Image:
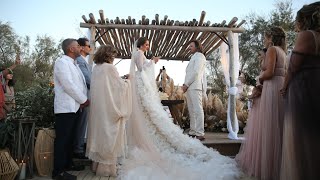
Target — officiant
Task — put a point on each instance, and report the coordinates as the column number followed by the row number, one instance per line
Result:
column 110, row 109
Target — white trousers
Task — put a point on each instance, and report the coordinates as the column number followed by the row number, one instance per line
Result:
column 194, row 102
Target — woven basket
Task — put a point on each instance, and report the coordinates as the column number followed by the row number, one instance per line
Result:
column 8, row 167
column 43, row 151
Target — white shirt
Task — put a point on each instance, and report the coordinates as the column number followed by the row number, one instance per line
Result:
column 195, row 72
column 69, row 86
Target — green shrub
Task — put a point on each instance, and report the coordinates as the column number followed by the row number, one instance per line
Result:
column 35, row 102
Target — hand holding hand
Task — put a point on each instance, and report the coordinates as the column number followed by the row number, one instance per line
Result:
column 156, row 59
column 283, row 91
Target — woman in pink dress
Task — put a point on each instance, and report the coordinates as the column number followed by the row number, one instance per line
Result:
column 271, row 111
column 249, row 156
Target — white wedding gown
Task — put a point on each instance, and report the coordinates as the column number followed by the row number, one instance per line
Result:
column 157, row 148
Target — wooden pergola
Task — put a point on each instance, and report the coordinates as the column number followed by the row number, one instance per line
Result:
column 168, row 38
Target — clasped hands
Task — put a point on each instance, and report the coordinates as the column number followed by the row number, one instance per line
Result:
column 155, row 59
column 85, row 104
column 283, row 91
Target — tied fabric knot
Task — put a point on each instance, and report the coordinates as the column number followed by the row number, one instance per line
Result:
column 233, row 90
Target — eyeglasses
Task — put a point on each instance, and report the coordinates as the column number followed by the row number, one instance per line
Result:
column 87, row 45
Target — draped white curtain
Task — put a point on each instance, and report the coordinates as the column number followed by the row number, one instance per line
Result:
column 232, row 125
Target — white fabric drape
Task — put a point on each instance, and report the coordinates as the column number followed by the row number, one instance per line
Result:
column 110, row 109
column 233, row 127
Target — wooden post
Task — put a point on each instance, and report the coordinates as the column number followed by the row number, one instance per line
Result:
column 92, row 43
column 232, row 105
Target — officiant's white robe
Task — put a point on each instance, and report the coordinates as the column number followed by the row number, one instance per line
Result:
column 110, row 108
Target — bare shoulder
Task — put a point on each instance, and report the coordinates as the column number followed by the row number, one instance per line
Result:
column 305, row 42
column 271, row 51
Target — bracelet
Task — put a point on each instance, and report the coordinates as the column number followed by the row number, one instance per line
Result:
column 10, row 71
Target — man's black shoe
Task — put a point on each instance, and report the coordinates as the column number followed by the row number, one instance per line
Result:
column 64, row 176
column 79, row 156
column 76, row 168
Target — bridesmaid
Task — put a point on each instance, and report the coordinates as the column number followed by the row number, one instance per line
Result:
column 301, row 140
column 271, row 111
column 249, row 156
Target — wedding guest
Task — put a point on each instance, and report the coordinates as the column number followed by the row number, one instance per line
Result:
column 301, row 145
column 10, row 102
column 194, row 87
column 271, row 111
column 249, row 156
column 81, row 129
column 70, row 97
column 109, row 111
column 2, row 104
column 3, row 75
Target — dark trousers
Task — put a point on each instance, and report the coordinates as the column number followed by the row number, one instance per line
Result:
column 65, row 124
column 81, row 129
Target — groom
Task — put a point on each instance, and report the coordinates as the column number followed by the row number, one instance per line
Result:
column 194, row 84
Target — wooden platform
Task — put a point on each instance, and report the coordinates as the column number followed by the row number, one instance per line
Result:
column 222, row 143
column 218, row 141
column 86, row 174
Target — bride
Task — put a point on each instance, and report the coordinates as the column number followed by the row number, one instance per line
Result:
column 157, row 148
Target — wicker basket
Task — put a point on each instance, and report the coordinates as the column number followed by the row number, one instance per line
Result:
column 43, row 151
column 8, row 167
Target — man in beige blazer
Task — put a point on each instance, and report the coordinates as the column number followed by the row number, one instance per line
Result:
column 194, row 86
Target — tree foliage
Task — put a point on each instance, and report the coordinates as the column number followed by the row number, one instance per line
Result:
column 34, row 93
column 251, row 41
column 37, row 61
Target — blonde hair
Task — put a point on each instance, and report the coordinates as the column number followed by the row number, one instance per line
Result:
column 278, row 36
column 308, row 17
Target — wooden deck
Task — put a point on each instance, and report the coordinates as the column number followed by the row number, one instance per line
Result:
column 223, row 144
column 217, row 141
column 86, row 174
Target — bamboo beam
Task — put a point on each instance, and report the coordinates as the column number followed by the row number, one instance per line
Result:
column 131, row 33
column 119, row 33
column 85, row 19
column 143, row 21
column 101, row 16
column 223, row 34
column 157, row 19
column 240, row 24
column 184, row 39
column 167, row 38
column 162, row 35
column 164, row 58
column 152, row 34
column 179, row 41
column 165, row 27
column 173, row 40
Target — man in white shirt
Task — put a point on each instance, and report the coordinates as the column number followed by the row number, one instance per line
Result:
column 81, row 129
column 70, row 97
column 195, row 85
